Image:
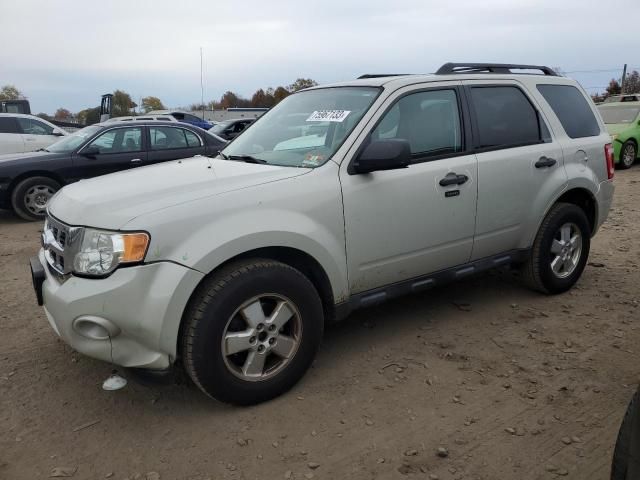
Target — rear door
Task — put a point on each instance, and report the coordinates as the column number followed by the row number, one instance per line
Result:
column 10, row 136
column 170, row 143
column 119, row 148
column 520, row 165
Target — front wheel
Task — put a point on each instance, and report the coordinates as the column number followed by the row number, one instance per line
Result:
column 30, row 197
column 251, row 331
column 628, row 154
column 560, row 250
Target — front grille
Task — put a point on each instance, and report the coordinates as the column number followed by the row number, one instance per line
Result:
column 58, row 241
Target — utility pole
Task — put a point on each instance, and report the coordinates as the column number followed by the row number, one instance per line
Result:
column 624, row 76
column 202, row 85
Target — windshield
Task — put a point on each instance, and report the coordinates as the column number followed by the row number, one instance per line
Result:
column 73, row 141
column 305, row 129
column 619, row 114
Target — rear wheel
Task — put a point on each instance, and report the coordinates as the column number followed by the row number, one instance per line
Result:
column 30, row 197
column 251, row 331
column 628, row 154
column 560, row 250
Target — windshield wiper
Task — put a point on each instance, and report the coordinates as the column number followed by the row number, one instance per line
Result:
column 223, row 156
column 247, row 159
column 42, row 150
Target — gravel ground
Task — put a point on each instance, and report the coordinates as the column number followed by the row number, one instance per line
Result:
column 483, row 379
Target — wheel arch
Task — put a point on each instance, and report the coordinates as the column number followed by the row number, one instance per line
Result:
column 583, row 198
column 298, row 259
column 34, row 173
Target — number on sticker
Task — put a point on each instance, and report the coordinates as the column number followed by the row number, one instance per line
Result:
column 328, row 116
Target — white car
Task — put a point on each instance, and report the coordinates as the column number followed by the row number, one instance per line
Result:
column 229, row 267
column 20, row 133
column 146, row 118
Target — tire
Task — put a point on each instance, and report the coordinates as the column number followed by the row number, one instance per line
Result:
column 626, row 454
column 538, row 270
column 628, row 155
column 30, row 197
column 232, row 304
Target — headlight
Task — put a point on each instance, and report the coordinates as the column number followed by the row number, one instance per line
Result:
column 101, row 252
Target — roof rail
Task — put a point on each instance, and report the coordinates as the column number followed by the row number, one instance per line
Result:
column 378, row 75
column 448, row 68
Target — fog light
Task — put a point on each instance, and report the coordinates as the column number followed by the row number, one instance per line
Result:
column 95, row 328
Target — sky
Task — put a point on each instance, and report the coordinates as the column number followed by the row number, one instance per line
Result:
column 67, row 53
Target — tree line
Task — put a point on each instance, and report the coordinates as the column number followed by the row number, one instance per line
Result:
column 123, row 105
column 631, row 85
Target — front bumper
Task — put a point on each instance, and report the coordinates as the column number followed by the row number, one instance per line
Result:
column 139, row 308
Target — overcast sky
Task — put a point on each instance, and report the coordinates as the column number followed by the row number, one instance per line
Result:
column 66, row 53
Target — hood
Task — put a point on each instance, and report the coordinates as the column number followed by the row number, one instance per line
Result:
column 617, row 128
column 113, row 200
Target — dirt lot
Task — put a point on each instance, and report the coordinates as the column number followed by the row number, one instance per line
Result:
column 513, row 384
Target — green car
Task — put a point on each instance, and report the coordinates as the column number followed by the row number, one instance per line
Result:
column 623, row 123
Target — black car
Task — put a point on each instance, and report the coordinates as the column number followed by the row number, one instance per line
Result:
column 29, row 180
column 230, row 129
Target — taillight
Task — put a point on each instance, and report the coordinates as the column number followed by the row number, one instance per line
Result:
column 608, row 155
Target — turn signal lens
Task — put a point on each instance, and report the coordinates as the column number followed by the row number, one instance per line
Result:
column 135, row 246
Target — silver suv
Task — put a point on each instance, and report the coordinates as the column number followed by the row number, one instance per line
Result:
column 340, row 197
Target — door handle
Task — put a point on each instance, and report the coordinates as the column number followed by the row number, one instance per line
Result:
column 136, row 160
column 453, row 179
column 545, row 162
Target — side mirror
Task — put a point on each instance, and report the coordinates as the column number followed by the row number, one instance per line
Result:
column 57, row 133
column 386, row 154
column 90, row 151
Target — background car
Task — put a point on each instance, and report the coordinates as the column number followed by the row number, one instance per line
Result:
column 29, row 180
column 26, row 133
column 623, row 123
column 230, row 129
column 143, row 118
column 184, row 117
column 626, row 455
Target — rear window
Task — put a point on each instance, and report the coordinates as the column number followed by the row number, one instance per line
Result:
column 8, row 125
column 505, row 117
column 572, row 109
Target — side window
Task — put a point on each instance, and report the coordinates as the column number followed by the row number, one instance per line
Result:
column 572, row 109
column 8, row 125
column 119, row 140
column 166, row 138
column 34, row 127
column 429, row 121
column 192, row 139
column 504, row 117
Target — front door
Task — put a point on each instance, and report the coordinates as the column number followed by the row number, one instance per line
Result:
column 118, row 149
column 404, row 223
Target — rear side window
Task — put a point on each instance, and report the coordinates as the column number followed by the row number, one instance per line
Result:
column 167, row 138
column 504, row 117
column 8, row 125
column 572, row 109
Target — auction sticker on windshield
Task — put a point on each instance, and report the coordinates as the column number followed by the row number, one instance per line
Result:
column 328, row 116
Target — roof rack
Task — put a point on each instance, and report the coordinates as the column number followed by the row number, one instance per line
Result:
column 449, row 68
column 378, row 75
